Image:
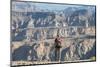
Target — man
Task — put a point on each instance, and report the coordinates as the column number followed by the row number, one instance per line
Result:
column 57, row 48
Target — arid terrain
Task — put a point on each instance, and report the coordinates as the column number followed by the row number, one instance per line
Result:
column 33, row 32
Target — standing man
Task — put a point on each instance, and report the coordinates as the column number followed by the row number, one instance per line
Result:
column 57, row 48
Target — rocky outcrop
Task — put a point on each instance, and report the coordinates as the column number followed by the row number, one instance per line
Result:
column 33, row 34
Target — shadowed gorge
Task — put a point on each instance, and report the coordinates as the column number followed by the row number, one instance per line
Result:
column 34, row 30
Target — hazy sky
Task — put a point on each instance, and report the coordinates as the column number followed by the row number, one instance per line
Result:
column 49, row 6
column 53, row 6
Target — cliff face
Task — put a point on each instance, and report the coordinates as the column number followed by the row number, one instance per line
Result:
column 33, row 35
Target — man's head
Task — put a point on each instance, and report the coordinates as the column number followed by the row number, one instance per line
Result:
column 57, row 35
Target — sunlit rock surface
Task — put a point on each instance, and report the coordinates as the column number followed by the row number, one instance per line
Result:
column 33, row 33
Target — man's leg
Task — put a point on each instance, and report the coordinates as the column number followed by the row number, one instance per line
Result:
column 56, row 54
column 59, row 54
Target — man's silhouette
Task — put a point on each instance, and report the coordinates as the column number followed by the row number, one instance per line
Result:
column 57, row 48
